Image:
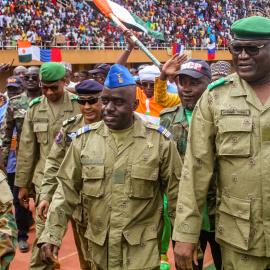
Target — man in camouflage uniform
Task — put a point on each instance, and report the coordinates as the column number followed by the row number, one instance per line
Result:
column 8, row 228
column 192, row 81
column 123, row 165
column 43, row 120
column 90, row 105
column 13, row 120
column 230, row 125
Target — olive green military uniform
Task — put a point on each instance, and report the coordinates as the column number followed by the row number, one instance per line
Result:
column 8, row 227
column 49, row 182
column 39, row 130
column 231, row 123
column 13, row 118
column 175, row 121
column 124, row 189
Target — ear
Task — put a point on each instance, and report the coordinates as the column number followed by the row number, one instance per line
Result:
column 135, row 104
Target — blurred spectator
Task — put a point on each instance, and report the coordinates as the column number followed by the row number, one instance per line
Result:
column 190, row 23
column 84, row 75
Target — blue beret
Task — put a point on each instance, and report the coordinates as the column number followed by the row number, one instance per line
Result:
column 119, row 76
column 88, row 87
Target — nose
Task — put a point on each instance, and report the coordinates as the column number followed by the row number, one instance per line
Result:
column 49, row 91
column 87, row 105
column 110, row 107
column 243, row 54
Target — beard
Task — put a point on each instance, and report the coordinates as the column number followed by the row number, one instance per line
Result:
column 189, row 107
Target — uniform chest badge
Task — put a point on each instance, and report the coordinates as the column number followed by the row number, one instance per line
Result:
column 22, row 111
column 150, row 144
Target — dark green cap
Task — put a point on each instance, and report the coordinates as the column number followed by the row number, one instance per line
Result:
column 51, row 72
column 251, row 28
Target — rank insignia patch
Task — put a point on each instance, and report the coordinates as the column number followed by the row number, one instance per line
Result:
column 58, row 137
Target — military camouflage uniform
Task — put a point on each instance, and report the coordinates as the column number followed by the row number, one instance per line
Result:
column 124, row 189
column 49, row 183
column 39, row 131
column 175, row 121
column 231, row 123
column 13, row 118
column 8, row 227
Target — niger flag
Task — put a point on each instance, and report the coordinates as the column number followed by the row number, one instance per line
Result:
column 24, row 51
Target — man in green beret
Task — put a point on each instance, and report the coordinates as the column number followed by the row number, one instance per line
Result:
column 230, row 124
column 43, row 120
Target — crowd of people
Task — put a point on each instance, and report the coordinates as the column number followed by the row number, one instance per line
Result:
column 193, row 24
column 138, row 158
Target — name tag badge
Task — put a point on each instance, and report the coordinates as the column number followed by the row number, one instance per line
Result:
column 235, row 112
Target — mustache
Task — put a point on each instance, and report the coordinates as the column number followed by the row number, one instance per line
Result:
column 108, row 114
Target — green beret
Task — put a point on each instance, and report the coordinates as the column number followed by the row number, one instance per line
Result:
column 252, row 28
column 51, row 72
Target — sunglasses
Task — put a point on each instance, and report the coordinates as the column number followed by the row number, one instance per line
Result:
column 251, row 50
column 145, row 84
column 52, row 88
column 33, row 77
column 94, row 77
column 90, row 101
column 75, row 76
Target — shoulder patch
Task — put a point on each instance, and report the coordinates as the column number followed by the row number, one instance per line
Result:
column 87, row 128
column 216, row 83
column 58, row 137
column 161, row 129
column 34, row 101
column 168, row 110
column 75, row 97
column 72, row 119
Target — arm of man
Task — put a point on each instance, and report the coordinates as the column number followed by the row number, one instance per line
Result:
column 27, row 158
column 65, row 200
column 6, row 131
column 170, row 68
column 49, row 182
column 196, row 175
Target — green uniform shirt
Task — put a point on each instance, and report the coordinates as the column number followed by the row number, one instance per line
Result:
column 206, row 221
column 231, row 124
column 38, row 134
column 124, row 193
column 176, row 121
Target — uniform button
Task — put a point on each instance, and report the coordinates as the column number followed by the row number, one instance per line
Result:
column 186, row 227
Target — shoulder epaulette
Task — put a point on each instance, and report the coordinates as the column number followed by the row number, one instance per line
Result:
column 34, row 101
column 168, row 110
column 216, row 83
column 72, row 119
column 87, row 128
column 161, row 129
column 75, row 97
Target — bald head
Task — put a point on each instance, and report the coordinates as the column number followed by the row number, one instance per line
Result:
column 20, row 71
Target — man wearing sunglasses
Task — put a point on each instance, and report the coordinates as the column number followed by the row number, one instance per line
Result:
column 43, row 120
column 148, row 109
column 12, row 124
column 100, row 72
column 230, row 123
column 90, row 105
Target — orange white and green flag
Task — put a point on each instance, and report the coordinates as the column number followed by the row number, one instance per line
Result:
column 24, row 51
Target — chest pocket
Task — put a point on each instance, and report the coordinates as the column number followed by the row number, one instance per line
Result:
column 235, row 136
column 41, row 130
column 93, row 176
column 143, row 180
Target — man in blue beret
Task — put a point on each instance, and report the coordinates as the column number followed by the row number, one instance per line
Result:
column 123, row 165
column 230, row 124
column 42, row 122
column 89, row 101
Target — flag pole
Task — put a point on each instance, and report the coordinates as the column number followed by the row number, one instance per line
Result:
column 144, row 49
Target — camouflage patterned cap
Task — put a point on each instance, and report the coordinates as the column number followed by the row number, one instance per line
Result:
column 51, row 72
